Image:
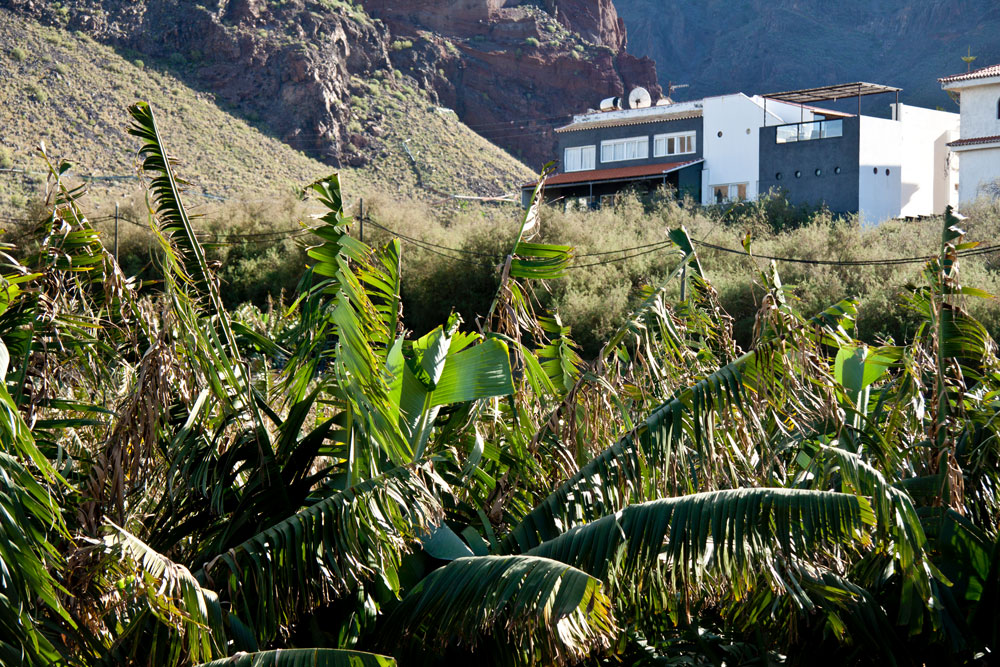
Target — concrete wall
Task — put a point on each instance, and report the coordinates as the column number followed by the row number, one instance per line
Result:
column 594, row 137
column 979, row 110
column 838, row 191
column 879, row 169
column 733, row 156
column 927, row 176
column 979, row 168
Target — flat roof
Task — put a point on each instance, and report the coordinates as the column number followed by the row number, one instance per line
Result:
column 620, row 121
column 615, row 174
column 835, row 92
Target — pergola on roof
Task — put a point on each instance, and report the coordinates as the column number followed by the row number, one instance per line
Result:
column 835, row 92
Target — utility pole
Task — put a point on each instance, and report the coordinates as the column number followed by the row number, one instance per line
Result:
column 361, row 218
column 116, row 232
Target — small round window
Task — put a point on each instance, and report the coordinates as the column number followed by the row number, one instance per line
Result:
column 886, row 172
column 798, row 174
column 777, row 176
column 836, row 170
column 819, row 172
column 720, row 133
column 874, row 170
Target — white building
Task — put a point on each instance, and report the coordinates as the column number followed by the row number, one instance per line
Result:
column 733, row 147
column 978, row 148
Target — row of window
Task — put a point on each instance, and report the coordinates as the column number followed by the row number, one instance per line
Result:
column 581, row 158
column 819, row 129
column 818, row 172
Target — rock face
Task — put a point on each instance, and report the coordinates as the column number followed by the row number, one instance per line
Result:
column 721, row 46
column 512, row 72
column 515, row 72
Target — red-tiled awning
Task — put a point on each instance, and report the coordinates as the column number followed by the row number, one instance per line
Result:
column 981, row 73
column 616, row 174
column 976, row 140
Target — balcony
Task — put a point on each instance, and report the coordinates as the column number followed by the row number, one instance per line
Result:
column 817, row 129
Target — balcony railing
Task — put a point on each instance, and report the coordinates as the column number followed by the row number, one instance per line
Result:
column 817, row 129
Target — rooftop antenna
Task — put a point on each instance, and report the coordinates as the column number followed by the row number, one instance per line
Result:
column 968, row 58
column 671, row 87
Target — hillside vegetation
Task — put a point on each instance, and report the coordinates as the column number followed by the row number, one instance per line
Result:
column 71, row 92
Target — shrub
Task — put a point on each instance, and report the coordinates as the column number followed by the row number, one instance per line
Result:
column 17, row 54
column 38, row 94
column 532, row 42
column 6, row 160
column 401, row 44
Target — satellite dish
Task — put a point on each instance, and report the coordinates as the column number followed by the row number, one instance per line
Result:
column 610, row 103
column 639, row 98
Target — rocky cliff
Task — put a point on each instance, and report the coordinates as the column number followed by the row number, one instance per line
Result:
column 513, row 73
column 721, row 46
column 304, row 68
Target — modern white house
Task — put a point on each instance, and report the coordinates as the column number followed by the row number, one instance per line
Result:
column 978, row 146
column 731, row 147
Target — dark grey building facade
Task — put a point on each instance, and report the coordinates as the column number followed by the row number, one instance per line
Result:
column 816, row 163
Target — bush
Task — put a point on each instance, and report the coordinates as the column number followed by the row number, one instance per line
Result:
column 36, row 93
column 401, row 44
column 594, row 300
column 17, row 54
column 6, row 159
column 532, row 42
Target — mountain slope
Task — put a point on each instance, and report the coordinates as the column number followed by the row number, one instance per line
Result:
column 71, row 92
column 301, row 66
column 760, row 47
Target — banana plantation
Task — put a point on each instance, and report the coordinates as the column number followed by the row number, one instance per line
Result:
column 314, row 484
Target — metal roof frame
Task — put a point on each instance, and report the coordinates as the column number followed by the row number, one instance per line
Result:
column 835, row 92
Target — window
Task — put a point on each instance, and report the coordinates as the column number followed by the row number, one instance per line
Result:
column 729, row 192
column 579, row 158
column 677, row 143
column 817, row 129
column 633, row 148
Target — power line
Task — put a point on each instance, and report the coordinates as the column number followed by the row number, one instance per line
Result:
column 428, row 243
column 863, row 262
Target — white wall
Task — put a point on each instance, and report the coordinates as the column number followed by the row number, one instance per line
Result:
column 927, row 176
column 979, row 167
column 880, row 149
column 733, row 157
column 979, row 109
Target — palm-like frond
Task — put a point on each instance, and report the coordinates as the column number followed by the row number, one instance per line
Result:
column 720, row 534
column 628, row 470
column 304, row 657
column 325, row 550
column 175, row 597
column 173, row 218
column 528, row 610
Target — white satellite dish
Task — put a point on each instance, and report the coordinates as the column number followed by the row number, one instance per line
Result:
column 639, row 98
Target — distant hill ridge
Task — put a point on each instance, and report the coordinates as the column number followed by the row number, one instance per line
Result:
column 753, row 46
